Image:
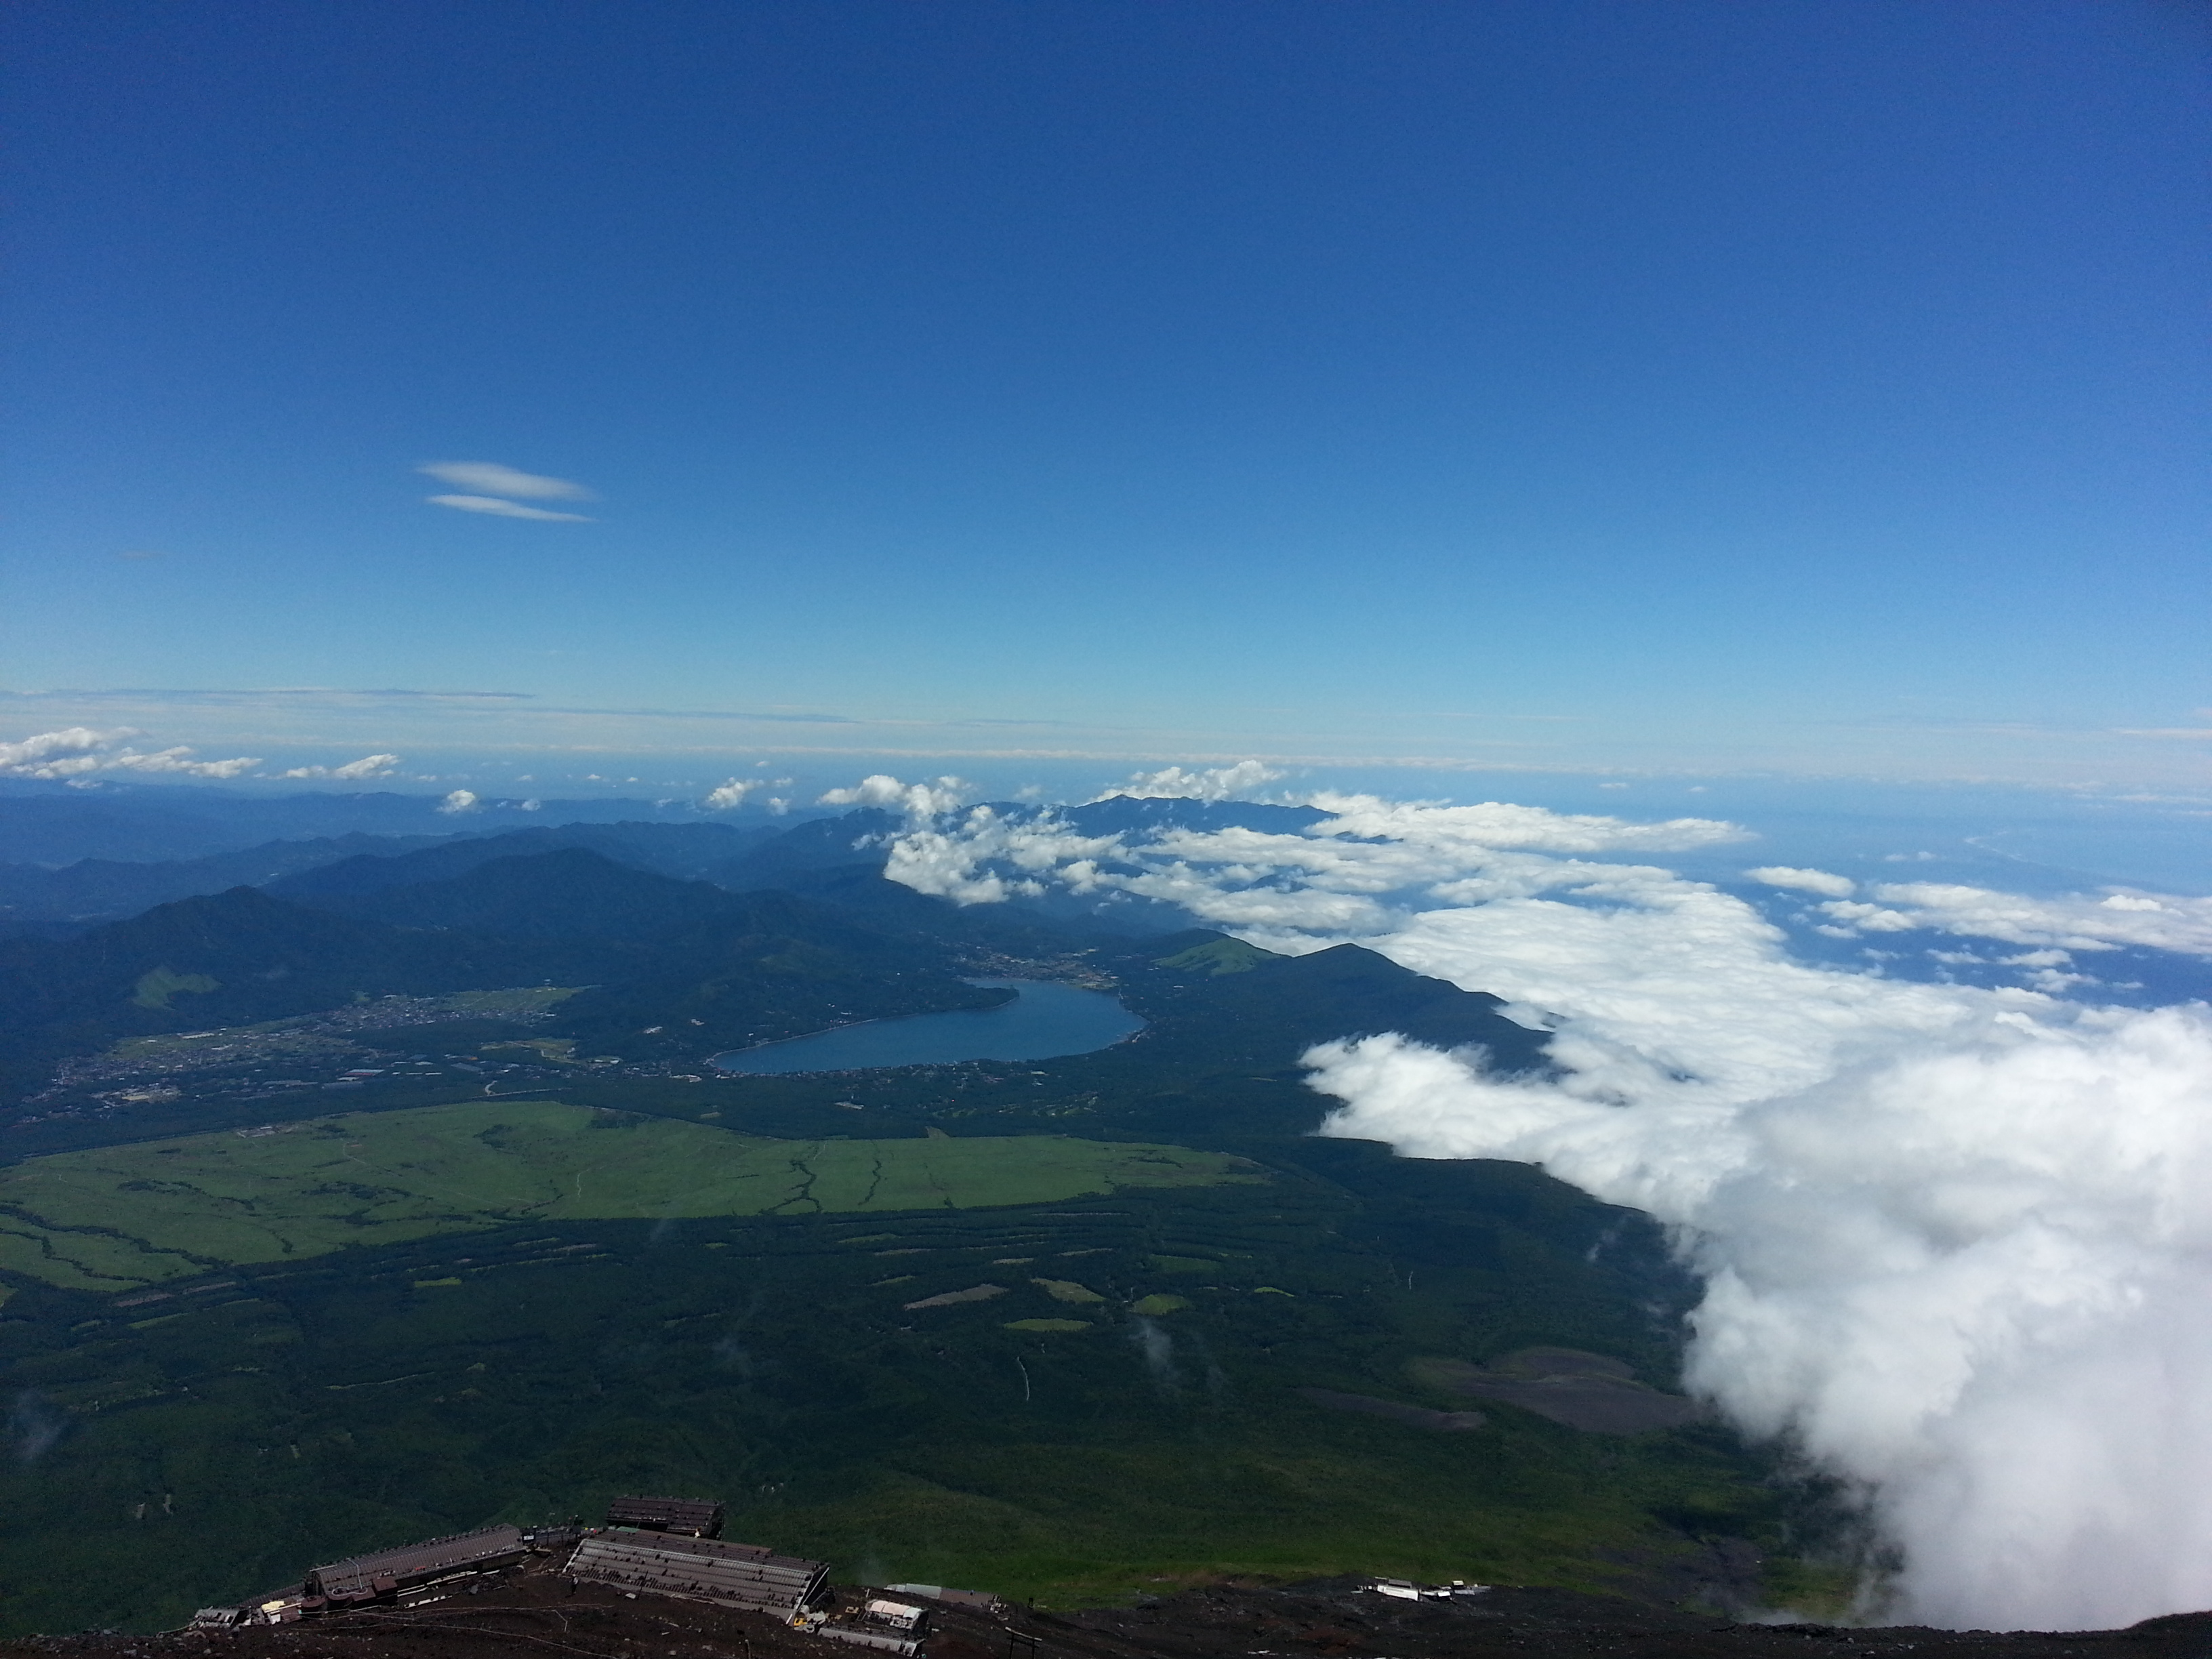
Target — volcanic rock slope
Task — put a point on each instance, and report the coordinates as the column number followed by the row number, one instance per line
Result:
column 537, row 1611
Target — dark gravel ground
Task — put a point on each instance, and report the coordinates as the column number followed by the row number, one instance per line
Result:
column 1336, row 1618
column 534, row 1613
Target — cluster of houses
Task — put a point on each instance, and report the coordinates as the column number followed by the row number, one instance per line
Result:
column 649, row 1546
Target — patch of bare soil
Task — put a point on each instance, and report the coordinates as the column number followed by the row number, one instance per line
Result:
column 1583, row 1390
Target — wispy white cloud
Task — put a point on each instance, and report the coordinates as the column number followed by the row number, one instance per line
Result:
column 1211, row 783
column 490, row 478
column 2073, row 922
column 500, row 509
column 460, row 800
column 179, row 760
column 1492, row 826
column 368, row 766
column 1368, row 861
column 1804, row 881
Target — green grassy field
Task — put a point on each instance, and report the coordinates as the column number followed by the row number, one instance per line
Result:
column 136, row 1215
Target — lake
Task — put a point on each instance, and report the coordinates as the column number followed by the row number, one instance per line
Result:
column 1044, row 1019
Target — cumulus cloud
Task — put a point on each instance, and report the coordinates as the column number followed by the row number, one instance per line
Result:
column 982, row 858
column 728, row 797
column 931, row 861
column 498, row 508
column 1502, row 824
column 368, row 766
column 1956, row 1241
column 1966, row 1272
column 77, row 752
column 460, row 800
column 490, row 478
column 916, row 800
column 1804, row 881
column 1369, row 861
column 58, row 754
column 1214, row 783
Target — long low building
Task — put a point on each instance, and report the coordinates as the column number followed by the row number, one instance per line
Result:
column 699, row 1517
column 360, row 1577
column 702, row 1570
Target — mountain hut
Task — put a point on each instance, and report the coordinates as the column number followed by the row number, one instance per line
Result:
column 729, row 1575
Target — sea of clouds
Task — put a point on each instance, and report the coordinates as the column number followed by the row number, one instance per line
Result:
column 1956, row 1240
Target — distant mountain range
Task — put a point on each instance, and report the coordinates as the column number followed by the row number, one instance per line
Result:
column 44, row 897
column 101, row 889
column 688, row 851
column 52, row 823
column 703, row 968
column 95, row 890
column 690, row 936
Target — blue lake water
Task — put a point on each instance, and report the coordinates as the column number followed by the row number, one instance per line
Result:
column 1043, row 1020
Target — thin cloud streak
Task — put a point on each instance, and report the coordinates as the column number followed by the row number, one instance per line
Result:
column 517, row 722
column 500, row 509
column 490, row 478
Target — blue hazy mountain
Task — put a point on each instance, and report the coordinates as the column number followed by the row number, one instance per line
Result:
column 102, row 890
column 685, row 851
column 568, row 892
column 144, row 829
column 51, row 823
column 98, row 889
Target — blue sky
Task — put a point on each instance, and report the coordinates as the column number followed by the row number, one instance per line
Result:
column 1809, row 388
